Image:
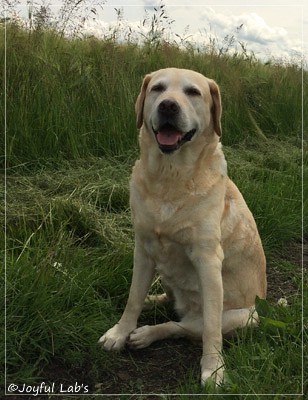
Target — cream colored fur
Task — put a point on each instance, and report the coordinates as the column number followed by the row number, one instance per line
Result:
column 192, row 226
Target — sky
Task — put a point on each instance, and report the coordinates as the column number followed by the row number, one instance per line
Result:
column 274, row 28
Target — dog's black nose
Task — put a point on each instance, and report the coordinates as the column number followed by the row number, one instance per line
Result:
column 169, row 107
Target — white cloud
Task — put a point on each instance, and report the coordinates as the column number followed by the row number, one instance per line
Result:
column 255, row 32
column 255, row 29
column 266, row 30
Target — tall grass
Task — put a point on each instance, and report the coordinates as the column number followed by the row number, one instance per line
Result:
column 71, row 143
column 72, row 98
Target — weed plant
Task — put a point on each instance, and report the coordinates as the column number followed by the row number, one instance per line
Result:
column 71, row 142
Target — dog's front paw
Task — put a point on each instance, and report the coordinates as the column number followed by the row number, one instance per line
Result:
column 212, row 368
column 115, row 338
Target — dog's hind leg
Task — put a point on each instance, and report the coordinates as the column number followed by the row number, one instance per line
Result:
column 238, row 318
column 191, row 327
column 145, row 335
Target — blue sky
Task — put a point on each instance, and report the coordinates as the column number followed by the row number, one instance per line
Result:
column 274, row 28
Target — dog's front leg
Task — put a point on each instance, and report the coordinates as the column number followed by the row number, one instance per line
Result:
column 143, row 274
column 208, row 263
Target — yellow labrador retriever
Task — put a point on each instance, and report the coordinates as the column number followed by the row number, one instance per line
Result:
column 192, row 225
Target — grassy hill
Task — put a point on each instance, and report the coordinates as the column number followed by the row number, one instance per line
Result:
column 71, row 141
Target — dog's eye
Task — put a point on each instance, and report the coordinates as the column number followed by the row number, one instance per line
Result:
column 192, row 91
column 159, row 87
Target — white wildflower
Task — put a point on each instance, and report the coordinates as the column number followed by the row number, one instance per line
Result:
column 282, row 302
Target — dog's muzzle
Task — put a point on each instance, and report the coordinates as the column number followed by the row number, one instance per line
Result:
column 170, row 139
column 168, row 136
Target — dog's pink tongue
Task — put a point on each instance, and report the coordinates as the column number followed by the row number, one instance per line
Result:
column 168, row 138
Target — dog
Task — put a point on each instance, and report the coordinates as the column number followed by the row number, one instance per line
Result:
column 192, row 225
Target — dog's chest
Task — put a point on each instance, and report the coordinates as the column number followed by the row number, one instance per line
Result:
column 166, row 210
column 165, row 226
column 164, row 237
column 158, row 227
column 155, row 213
column 160, row 223
column 165, row 220
column 176, row 272
column 172, row 263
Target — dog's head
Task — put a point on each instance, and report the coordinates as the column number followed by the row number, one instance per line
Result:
column 176, row 106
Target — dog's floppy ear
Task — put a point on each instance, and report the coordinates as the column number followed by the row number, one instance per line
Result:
column 216, row 107
column 140, row 101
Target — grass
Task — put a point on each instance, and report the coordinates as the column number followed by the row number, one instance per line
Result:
column 249, row 365
column 81, row 94
column 71, row 144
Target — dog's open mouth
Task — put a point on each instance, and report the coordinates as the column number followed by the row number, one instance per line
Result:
column 169, row 138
